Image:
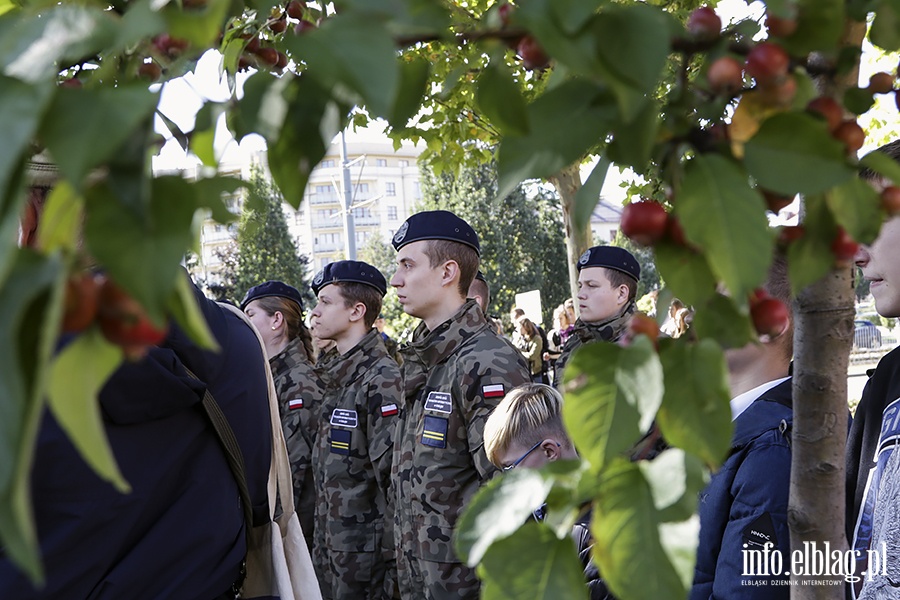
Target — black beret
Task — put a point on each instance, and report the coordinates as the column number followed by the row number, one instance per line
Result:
column 480, row 275
column 272, row 288
column 349, row 271
column 611, row 257
column 435, row 225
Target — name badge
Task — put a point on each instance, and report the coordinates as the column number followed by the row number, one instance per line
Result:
column 439, row 402
column 343, row 417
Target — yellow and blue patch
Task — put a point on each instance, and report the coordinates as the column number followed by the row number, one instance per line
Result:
column 434, row 433
column 340, row 441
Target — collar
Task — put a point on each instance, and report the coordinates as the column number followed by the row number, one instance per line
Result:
column 741, row 402
column 432, row 347
column 609, row 330
column 346, row 368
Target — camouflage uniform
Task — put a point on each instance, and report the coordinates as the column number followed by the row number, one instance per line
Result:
column 353, row 550
column 299, row 396
column 585, row 333
column 453, row 377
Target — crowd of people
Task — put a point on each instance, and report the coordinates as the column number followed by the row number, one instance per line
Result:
column 389, row 444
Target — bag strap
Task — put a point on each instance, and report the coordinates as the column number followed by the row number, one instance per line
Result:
column 232, row 449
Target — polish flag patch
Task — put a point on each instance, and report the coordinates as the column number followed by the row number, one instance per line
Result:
column 295, row 403
column 388, row 410
column 493, row 391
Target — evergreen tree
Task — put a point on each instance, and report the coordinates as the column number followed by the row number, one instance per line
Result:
column 521, row 235
column 265, row 247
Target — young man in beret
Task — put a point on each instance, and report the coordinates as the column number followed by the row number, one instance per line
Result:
column 455, row 371
column 353, row 541
column 607, row 285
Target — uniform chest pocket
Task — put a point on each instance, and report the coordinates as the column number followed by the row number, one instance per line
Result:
column 436, row 421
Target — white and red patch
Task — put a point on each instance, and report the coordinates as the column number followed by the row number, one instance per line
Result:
column 389, row 410
column 295, row 403
column 493, row 391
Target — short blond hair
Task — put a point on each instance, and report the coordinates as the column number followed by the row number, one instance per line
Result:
column 527, row 415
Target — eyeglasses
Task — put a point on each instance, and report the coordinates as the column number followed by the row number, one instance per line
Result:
column 521, row 458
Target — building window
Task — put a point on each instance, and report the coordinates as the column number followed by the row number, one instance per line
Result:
column 404, row 163
column 327, row 164
column 418, row 191
column 380, row 162
column 390, row 188
column 218, row 228
column 361, row 188
column 324, row 262
column 392, row 213
column 324, row 190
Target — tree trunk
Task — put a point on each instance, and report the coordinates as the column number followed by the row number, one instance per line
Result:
column 823, row 336
column 567, row 183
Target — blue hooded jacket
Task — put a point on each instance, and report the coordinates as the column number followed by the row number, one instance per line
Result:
column 746, row 502
column 180, row 532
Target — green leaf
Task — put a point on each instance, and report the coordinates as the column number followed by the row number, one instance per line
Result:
column 679, row 542
column 686, row 272
column 612, row 395
column 719, row 319
column 885, row 30
column 858, row 100
column 199, row 25
column 532, row 564
column 348, row 50
column 498, row 510
column 413, row 83
column 573, row 15
column 565, row 123
column 810, row 258
column 30, row 300
column 632, row 44
column 21, row 105
column 633, row 141
column 60, row 223
column 695, row 414
column 793, row 153
column 726, row 218
column 883, row 165
column 404, row 17
column 34, row 44
column 856, row 206
column 588, row 195
column 500, row 99
column 118, row 112
column 76, row 377
column 183, row 307
column 675, row 479
column 210, row 193
column 139, row 21
column 141, row 252
column 627, row 538
column 820, row 24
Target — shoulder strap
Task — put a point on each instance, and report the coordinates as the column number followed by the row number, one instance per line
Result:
column 232, row 449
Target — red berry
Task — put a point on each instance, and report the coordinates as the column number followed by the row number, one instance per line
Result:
column 253, row 45
column 780, row 27
column 282, row 61
column 73, row 83
column 881, row 83
column 890, row 199
column 724, row 76
column 149, row 71
column 533, row 55
column 767, row 62
column 644, row 222
column 278, row 26
column 704, row 24
column 779, row 92
column 303, row 26
column 295, row 9
column 829, row 109
column 851, row 134
column 505, row 11
column 770, row 316
column 81, row 301
column 124, row 322
column 268, row 56
column 843, row 247
column 675, row 232
column 641, row 324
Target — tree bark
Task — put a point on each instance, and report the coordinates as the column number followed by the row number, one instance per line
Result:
column 567, row 183
column 823, row 337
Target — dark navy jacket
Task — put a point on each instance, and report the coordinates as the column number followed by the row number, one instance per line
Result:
column 180, row 532
column 746, row 502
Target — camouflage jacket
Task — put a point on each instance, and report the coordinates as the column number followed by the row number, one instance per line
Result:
column 585, row 333
column 299, row 397
column 453, row 377
column 353, row 455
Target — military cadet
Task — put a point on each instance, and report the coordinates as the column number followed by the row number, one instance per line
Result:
column 353, row 549
column 276, row 309
column 455, row 371
column 480, row 291
column 607, row 285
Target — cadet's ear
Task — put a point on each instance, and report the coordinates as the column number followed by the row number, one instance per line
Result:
column 449, row 273
column 358, row 312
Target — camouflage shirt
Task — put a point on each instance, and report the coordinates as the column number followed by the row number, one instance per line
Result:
column 585, row 333
column 352, row 459
column 299, row 397
column 453, row 377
